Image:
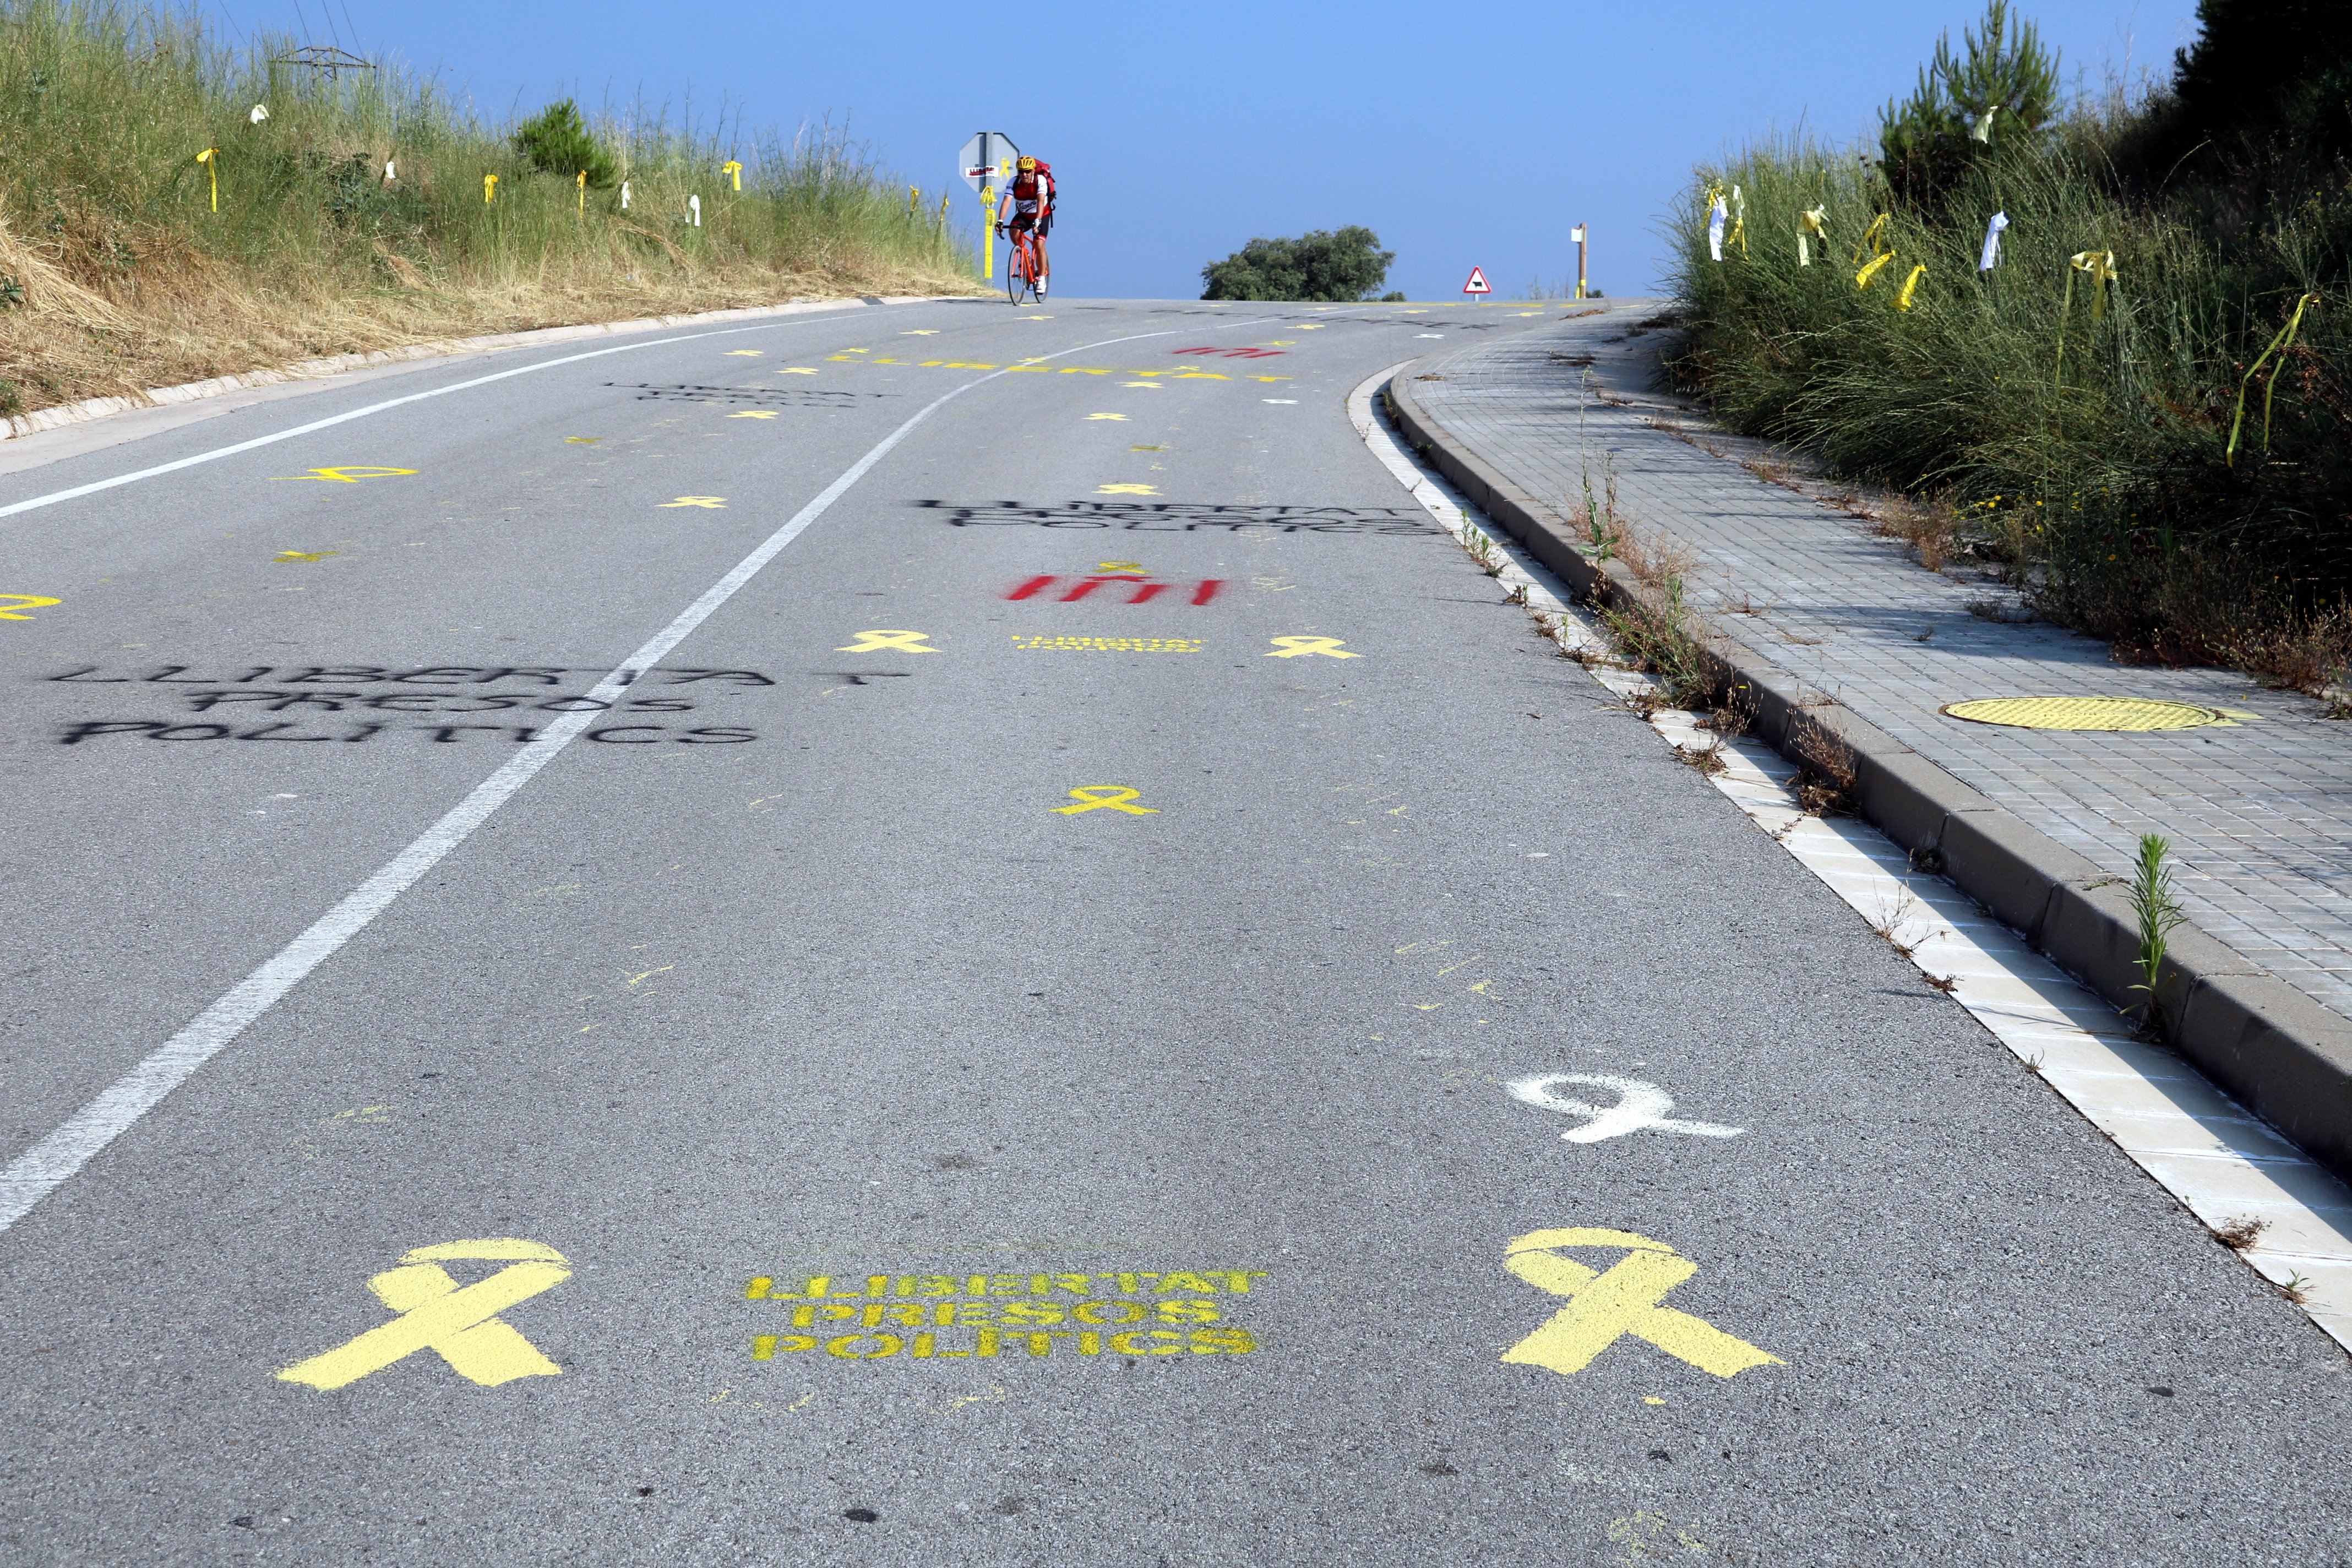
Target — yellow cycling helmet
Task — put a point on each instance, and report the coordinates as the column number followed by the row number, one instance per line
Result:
column 1028, row 165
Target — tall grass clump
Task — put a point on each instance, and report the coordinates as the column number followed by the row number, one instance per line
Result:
column 2097, row 406
column 351, row 212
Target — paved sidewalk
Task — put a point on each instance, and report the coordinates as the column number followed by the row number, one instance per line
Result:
column 2259, row 813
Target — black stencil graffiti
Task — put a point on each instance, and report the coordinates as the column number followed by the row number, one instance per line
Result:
column 758, row 397
column 233, row 699
column 1179, row 517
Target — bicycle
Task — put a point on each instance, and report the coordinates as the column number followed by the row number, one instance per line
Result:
column 1021, row 265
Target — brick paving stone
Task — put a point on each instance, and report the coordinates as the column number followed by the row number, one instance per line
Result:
column 2259, row 813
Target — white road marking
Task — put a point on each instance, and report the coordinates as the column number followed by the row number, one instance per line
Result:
column 1639, row 1106
column 36, row 1173
column 2223, row 1162
column 270, row 440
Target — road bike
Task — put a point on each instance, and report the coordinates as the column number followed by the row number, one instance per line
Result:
column 1022, row 269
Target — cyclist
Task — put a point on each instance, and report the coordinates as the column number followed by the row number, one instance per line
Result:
column 1029, row 203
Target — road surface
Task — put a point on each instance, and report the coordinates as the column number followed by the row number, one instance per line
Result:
column 944, row 934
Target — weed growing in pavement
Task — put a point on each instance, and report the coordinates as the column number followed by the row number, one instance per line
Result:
column 2241, row 1233
column 1481, row 548
column 1826, row 777
column 2156, row 912
column 2297, row 1288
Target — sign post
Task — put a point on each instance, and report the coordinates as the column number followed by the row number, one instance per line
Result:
column 989, row 156
column 1477, row 284
column 1578, row 235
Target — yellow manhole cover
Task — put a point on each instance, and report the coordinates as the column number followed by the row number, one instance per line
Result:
column 2089, row 713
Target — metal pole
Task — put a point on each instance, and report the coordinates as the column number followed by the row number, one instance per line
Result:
column 1579, row 261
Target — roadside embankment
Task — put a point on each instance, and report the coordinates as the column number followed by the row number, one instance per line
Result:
column 362, row 210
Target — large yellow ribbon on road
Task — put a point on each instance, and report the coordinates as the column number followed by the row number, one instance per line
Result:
column 1605, row 1307
column 459, row 1323
column 1297, row 648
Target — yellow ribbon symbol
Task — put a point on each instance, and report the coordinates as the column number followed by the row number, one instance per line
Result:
column 461, row 1324
column 350, row 475
column 1093, row 797
column 709, row 503
column 206, row 158
column 733, row 171
column 489, row 189
column 878, row 641
column 2101, row 266
column 1910, row 286
column 1811, row 222
column 1296, row 647
column 23, row 602
column 1605, row 1307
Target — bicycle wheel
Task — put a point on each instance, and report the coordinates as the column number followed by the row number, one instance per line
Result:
column 1020, row 268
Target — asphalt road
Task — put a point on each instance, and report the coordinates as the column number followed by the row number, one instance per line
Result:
column 1077, row 908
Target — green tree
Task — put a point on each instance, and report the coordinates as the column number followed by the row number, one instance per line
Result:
column 557, row 142
column 1339, row 265
column 2002, row 83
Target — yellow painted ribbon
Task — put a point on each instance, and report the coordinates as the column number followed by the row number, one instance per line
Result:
column 461, row 1325
column 1812, row 222
column 733, row 171
column 1094, row 797
column 895, row 642
column 2101, row 266
column 11, row 603
column 1295, row 647
column 489, row 189
column 2283, row 340
column 1603, row 1308
column 212, row 168
column 1910, row 286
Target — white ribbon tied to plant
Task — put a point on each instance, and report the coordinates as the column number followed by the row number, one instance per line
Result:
column 1992, row 256
column 1715, row 216
column 1983, row 131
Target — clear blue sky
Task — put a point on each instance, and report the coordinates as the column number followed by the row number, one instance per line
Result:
column 1462, row 134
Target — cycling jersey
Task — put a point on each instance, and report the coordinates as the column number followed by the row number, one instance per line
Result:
column 1031, row 196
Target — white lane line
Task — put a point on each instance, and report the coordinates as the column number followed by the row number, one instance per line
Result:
column 2223, row 1163
column 36, row 1173
column 54, row 497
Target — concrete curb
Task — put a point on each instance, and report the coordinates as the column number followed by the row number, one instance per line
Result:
column 2274, row 1049
column 91, row 409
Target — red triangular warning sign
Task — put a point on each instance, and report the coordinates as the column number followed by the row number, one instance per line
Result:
column 1477, row 284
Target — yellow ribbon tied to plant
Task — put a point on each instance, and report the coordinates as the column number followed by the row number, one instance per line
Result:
column 1811, row 222
column 2101, row 266
column 1873, row 241
column 489, row 189
column 580, row 179
column 733, row 171
column 1877, row 264
column 2279, row 345
column 1738, row 221
column 1717, row 211
column 1910, row 286
column 206, row 158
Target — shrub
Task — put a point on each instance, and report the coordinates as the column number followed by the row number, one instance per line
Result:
column 2084, row 426
column 1340, row 264
column 557, row 142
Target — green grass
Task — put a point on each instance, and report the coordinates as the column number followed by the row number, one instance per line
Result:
column 126, row 273
column 2086, row 449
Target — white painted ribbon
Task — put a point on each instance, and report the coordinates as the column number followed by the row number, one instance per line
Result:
column 1993, row 242
column 1639, row 1105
